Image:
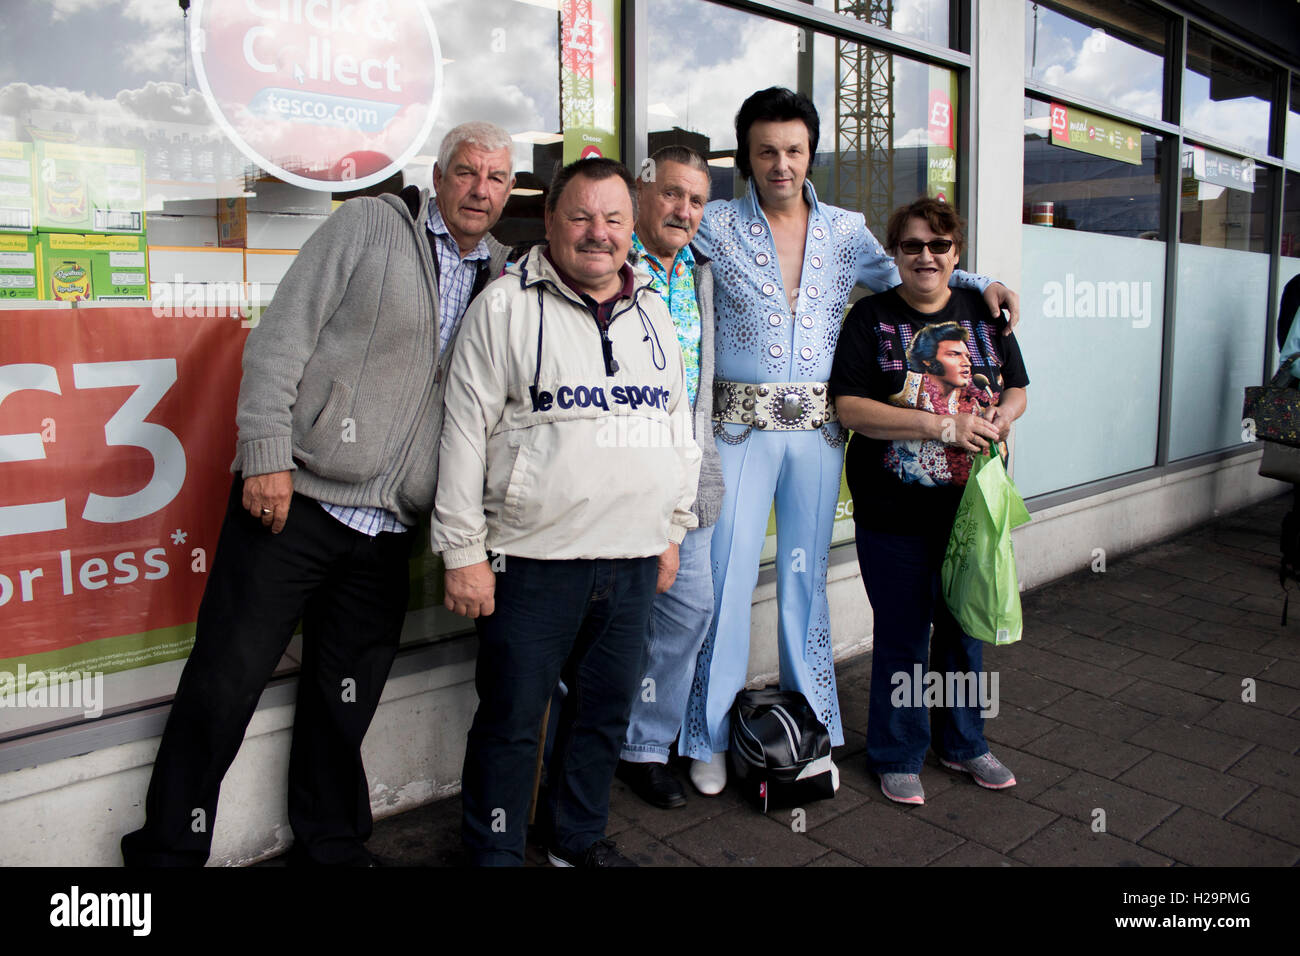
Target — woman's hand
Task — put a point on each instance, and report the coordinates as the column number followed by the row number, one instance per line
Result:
column 1012, row 405
column 967, row 431
column 1000, row 420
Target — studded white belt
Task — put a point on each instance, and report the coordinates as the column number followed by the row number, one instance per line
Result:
column 773, row 406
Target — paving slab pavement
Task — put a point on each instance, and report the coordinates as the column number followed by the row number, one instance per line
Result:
column 1151, row 714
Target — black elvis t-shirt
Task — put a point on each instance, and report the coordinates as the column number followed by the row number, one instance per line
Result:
column 947, row 362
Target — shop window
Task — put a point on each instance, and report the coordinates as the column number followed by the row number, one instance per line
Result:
column 1107, row 50
column 1225, row 201
column 1291, row 216
column 927, row 20
column 1226, row 94
column 1089, row 173
column 887, row 122
column 1094, row 266
column 141, row 136
column 1293, row 123
column 1219, row 331
column 132, row 176
column 1288, row 266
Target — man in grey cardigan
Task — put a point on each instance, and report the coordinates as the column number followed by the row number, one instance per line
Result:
column 672, row 192
column 339, row 415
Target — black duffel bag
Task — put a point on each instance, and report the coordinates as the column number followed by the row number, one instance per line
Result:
column 780, row 753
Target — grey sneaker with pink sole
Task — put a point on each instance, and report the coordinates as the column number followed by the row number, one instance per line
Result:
column 902, row 787
column 987, row 770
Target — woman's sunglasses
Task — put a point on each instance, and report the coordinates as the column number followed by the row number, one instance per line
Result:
column 913, row 247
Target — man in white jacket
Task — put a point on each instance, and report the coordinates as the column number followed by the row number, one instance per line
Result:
column 567, row 452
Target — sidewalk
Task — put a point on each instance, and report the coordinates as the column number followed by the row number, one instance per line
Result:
column 1125, row 697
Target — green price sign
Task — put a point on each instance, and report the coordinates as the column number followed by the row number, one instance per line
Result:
column 1098, row 135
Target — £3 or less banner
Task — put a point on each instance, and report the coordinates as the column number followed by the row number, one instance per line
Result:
column 116, row 436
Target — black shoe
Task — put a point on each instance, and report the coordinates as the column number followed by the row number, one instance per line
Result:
column 600, row 853
column 652, row 782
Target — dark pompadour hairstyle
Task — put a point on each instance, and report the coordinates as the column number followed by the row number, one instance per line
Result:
column 598, row 167
column 921, row 356
column 775, row 104
column 938, row 215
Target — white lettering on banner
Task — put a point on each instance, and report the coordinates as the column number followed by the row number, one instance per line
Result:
column 92, row 574
column 154, row 378
column 345, row 68
column 250, row 57
column 322, row 63
column 39, row 516
column 1059, row 121
column 128, row 427
column 945, row 168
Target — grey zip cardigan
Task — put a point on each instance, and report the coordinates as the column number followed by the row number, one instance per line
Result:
column 708, row 497
column 343, row 379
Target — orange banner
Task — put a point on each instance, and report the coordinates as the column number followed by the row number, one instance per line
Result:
column 117, row 429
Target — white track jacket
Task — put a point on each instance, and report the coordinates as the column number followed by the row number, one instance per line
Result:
column 557, row 444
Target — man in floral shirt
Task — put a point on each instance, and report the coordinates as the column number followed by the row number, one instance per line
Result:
column 672, row 192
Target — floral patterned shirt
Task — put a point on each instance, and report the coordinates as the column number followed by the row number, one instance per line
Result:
column 678, row 290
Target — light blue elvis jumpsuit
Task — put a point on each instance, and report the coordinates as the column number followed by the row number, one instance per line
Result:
column 760, row 339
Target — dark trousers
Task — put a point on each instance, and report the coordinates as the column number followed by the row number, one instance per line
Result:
column 584, row 621
column 902, row 577
column 350, row 591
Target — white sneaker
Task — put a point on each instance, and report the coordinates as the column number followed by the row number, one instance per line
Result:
column 710, row 777
column 835, row 777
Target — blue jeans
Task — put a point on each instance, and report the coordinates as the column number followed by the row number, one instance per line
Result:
column 581, row 620
column 679, row 621
column 901, row 573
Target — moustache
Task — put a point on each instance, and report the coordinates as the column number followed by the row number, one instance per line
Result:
column 593, row 245
column 679, row 223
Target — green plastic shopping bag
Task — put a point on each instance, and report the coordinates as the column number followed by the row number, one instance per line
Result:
column 979, row 569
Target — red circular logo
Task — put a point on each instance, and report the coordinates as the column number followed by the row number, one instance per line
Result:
column 322, row 93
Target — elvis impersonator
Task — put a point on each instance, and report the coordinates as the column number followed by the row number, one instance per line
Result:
column 784, row 265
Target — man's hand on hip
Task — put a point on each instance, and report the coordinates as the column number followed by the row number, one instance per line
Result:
column 470, row 591
column 267, row 498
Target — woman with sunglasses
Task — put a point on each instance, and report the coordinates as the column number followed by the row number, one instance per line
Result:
column 926, row 380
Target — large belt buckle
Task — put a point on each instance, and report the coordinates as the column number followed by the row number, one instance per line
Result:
column 791, row 410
